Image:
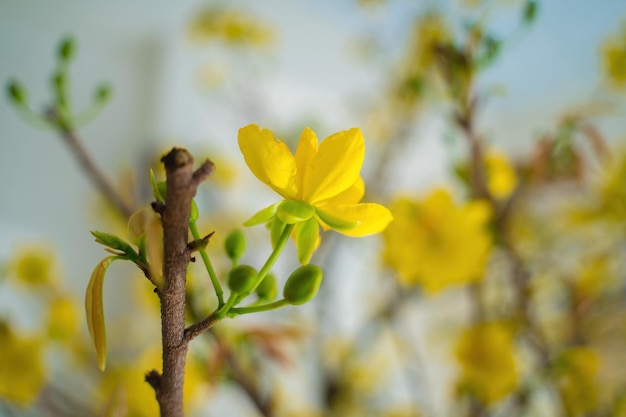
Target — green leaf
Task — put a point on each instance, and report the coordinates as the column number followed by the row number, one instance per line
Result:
column 335, row 222
column 158, row 189
column 95, row 310
column 193, row 213
column 262, row 216
column 294, row 211
column 307, row 235
column 114, row 242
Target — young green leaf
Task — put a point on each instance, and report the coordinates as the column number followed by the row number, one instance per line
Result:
column 95, row 311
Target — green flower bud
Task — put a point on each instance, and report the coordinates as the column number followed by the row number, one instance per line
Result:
column 17, row 93
column 67, row 49
column 235, row 245
column 102, row 94
column 267, row 289
column 294, row 211
column 241, row 279
column 303, row 284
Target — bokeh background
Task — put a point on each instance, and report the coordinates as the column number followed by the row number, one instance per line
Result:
column 190, row 74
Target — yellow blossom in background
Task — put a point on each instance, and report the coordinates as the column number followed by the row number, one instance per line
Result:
column 501, row 177
column 125, row 388
column 34, row 264
column 435, row 243
column 63, row 318
column 614, row 59
column 22, row 373
column 488, row 369
column 321, row 184
column 576, row 376
column 233, row 27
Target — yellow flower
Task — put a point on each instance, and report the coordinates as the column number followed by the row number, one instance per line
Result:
column 576, row 376
column 21, row 367
column 501, row 177
column 320, row 184
column 614, row 59
column 34, row 265
column 62, row 318
column 485, row 353
column 436, row 243
column 125, row 388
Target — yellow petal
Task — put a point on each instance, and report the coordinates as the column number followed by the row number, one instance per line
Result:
column 336, row 166
column 269, row 159
column 373, row 218
column 352, row 195
column 305, row 152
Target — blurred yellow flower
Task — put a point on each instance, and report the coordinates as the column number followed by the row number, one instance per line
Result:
column 34, row 264
column 62, row 318
column 488, row 369
column 501, row 177
column 576, row 376
column 232, row 27
column 21, row 367
column 614, row 59
column 436, row 243
column 320, row 184
column 126, row 389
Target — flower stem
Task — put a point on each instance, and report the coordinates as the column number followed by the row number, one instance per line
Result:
column 207, row 263
column 258, row 308
column 280, row 245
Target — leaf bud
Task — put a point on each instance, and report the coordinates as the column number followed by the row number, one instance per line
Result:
column 267, row 289
column 303, row 284
column 17, row 93
column 530, row 11
column 102, row 94
column 67, row 49
column 235, row 245
column 241, row 279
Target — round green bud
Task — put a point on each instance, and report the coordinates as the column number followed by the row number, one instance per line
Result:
column 303, row 284
column 102, row 94
column 17, row 93
column 241, row 279
column 67, row 49
column 294, row 211
column 267, row 289
column 235, row 245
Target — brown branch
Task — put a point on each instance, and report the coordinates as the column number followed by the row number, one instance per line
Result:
column 199, row 327
column 89, row 166
column 182, row 183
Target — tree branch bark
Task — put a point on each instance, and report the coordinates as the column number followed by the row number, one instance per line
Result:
column 182, row 183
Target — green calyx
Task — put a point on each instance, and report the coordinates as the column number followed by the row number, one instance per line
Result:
column 294, row 211
column 303, row 284
column 335, row 222
column 241, row 279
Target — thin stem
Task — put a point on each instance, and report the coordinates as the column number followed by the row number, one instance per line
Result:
column 258, row 308
column 280, row 245
column 209, row 267
column 89, row 166
column 232, row 299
